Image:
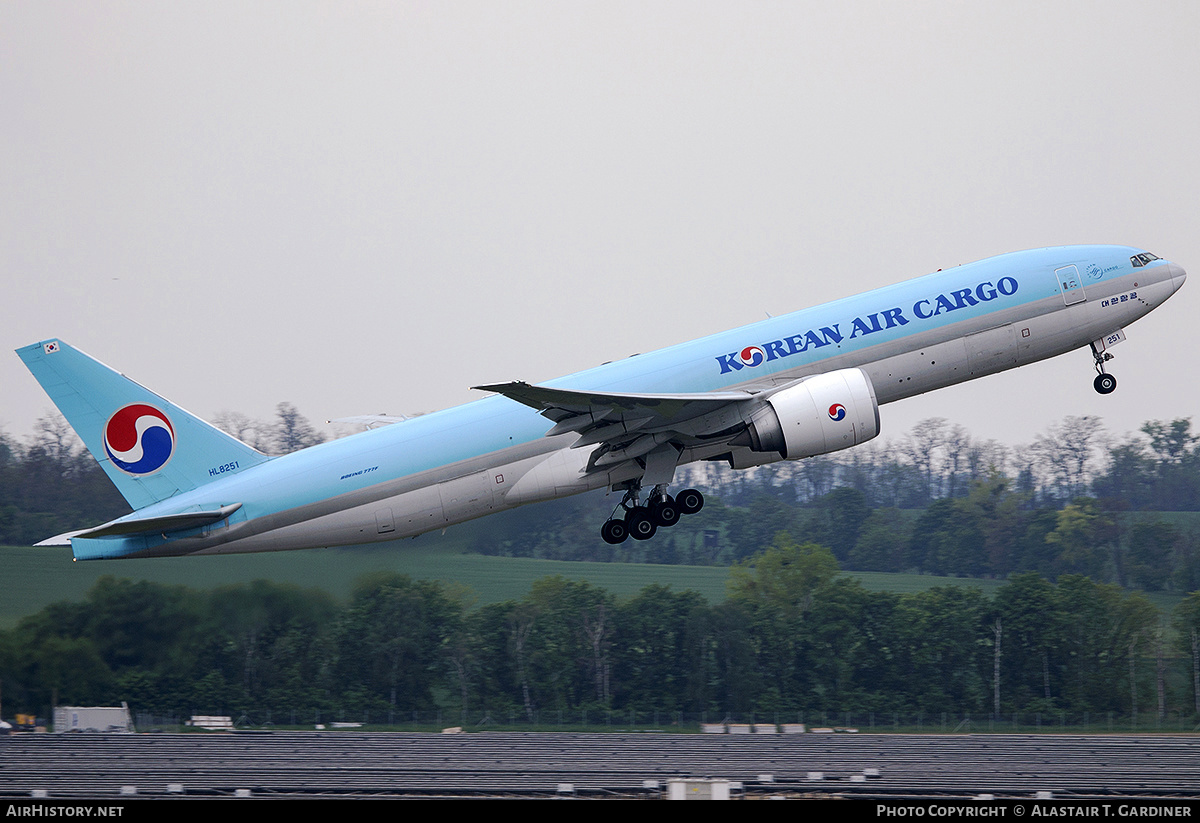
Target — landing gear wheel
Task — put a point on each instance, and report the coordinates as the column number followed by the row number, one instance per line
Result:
column 689, row 501
column 665, row 511
column 614, row 532
column 1104, row 383
column 641, row 524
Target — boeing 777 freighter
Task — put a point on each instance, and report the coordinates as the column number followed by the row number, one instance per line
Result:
column 789, row 387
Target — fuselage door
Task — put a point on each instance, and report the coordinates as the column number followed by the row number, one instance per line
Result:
column 467, row 497
column 991, row 351
column 1071, row 285
column 384, row 520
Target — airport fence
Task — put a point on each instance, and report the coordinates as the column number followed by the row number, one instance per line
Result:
column 685, row 722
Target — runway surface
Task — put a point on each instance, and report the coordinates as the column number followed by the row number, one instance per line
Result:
column 595, row 765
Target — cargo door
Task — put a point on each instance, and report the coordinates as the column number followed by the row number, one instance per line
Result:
column 1070, row 285
column 991, row 351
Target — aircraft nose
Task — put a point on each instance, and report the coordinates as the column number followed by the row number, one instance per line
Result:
column 1178, row 275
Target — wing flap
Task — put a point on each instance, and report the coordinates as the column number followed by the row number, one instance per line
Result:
column 629, row 427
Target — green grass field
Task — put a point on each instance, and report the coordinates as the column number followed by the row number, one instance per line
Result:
column 34, row 578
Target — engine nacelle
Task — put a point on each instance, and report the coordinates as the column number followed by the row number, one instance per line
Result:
column 822, row 414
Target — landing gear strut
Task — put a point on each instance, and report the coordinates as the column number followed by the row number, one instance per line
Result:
column 641, row 521
column 1104, row 383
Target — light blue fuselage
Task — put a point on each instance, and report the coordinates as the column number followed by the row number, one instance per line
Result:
column 443, row 468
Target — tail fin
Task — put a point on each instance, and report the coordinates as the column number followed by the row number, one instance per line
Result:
column 150, row 448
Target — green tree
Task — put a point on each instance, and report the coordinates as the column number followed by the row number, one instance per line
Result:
column 881, row 544
column 69, row 671
column 270, row 641
column 784, row 577
column 1031, row 621
column 1001, row 517
column 571, row 644
column 1090, row 649
column 390, row 642
column 483, row 663
column 659, row 655
column 945, row 650
column 750, row 529
column 1085, row 538
column 948, row 538
column 1187, row 631
column 837, row 520
column 1151, row 546
column 1137, row 626
column 779, row 590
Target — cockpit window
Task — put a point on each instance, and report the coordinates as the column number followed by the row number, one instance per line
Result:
column 1142, row 259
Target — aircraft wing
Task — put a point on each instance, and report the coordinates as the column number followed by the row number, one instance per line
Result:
column 629, row 426
column 580, row 411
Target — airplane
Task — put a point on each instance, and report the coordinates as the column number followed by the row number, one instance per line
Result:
column 786, row 388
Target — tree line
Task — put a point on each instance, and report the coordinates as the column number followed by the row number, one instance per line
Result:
column 1072, row 522
column 1075, row 501
column 936, row 502
column 793, row 636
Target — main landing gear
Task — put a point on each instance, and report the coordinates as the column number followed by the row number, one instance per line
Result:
column 1104, row 383
column 642, row 521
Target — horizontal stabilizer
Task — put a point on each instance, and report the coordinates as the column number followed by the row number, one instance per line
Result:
column 162, row 523
column 145, row 525
column 63, row 539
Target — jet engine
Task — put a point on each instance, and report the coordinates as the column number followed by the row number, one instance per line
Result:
column 817, row 415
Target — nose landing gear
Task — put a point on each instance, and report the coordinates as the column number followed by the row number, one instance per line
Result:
column 641, row 521
column 1104, row 383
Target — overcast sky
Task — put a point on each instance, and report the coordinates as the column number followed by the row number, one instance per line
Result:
column 371, row 207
